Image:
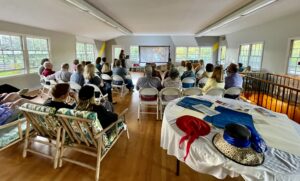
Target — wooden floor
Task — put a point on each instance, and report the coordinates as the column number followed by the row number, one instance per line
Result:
column 139, row 159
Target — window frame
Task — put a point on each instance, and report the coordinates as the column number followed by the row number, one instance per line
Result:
column 289, row 53
column 85, row 51
column 26, row 70
column 199, row 54
column 138, row 53
column 249, row 55
column 220, row 55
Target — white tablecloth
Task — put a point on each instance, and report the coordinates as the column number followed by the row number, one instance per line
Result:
column 204, row 158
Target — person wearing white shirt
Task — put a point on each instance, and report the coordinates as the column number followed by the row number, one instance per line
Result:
column 216, row 80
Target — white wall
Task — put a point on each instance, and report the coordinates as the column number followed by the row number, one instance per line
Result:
column 62, row 47
column 274, row 34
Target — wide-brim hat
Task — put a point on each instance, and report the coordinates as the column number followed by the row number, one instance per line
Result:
column 244, row 155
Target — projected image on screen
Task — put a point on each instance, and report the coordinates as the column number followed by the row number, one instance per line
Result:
column 154, row 54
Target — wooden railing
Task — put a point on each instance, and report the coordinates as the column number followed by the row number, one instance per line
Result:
column 275, row 92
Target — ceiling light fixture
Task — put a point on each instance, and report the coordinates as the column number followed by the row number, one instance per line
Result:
column 248, row 9
column 91, row 10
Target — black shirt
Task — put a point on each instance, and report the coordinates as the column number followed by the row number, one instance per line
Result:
column 105, row 117
column 57, row 105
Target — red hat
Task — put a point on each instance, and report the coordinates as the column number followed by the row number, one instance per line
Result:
column 193, row 128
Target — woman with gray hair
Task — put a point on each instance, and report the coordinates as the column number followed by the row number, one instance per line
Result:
column 173, row 80
column 148, row 81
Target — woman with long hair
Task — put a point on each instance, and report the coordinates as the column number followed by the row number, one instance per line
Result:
column 216, row 80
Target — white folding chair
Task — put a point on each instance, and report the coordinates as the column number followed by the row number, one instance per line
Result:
column 45, row 87
column 97, row 90
column 233, row 92
column 192, row 91
column 106, row 77
column 75, row 86
column 165, row 96
column 119, row 83
column 148, row 98
column 219, row 92
column 188, row 82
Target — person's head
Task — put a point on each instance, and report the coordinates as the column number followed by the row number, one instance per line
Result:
column 174, row 73
column 189, row 66
column 104, row 59
column 83, row 63
column 98, row 60
column 201, row 62
column 76, row 62
column 79, row 68
column 148, row 70
column 240, row 65
column 65, row 67
column 122, row 51
column 232, row 68
column 86, row 98
column 88, row 62
column 105, row 68
column 48, row 65
column 183, row 63
column 44, row 60
column 209, row 67
column 89, row 71
column 169, row 65
column 123, row 63
column 153, row 65
column 248, row 68
column 218, row 74
column 118, row 63
column 60, row 91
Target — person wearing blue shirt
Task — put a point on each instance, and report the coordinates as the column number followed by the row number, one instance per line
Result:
column 189, row 72
column 233, row 79
column 122, row 72
column 77, row 76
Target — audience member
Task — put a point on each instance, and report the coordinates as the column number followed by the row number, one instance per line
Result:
column 173, row 79
column 103, row 60
column 189, row 72
column 247, row 69
column 92, row 78
column 122, row 72
column 98, row 64
column 83, row 63
column 41, row 68
column 60, row 93
column 199, row 70
column 207, row 74
column 75, row 63
column 123, row 63
column 106, row 69
column 88, row 62
column 216, row 80
column 241, row 68
column 155, row 73
column 148, row 81
column 86, row 102
column 181, row 68
column 169, row 67
column 63, row 75
column 48, row 69
column 233, row 78
column 77, row 76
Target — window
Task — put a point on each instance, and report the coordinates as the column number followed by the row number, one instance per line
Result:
column 222, row 55
column 85, row 51
column 294, row 58
column 206, row 54
column 251, row 55
column 37, row 50
column 134, row 53
column 117, row 51
column 11, row 55
column 194, row 53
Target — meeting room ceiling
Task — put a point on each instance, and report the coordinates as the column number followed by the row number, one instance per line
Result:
column 142, row 17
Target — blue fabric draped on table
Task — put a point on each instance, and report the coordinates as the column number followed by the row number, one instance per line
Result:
column 229, row 116
column 188, row 102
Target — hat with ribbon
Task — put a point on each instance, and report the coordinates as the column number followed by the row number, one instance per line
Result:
column 236, row 143
column 193, row 128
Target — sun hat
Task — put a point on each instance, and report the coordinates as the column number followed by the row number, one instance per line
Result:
column 235, row 143
column 193, row 128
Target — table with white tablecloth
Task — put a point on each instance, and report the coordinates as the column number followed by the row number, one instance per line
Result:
column 282, row 135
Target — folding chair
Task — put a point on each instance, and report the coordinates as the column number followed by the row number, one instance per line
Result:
column 219, row 92
column 148, row 98
column 98, row 92
column 192, row 91
column 75, row 86
column 119, row 83
column 106, row 77
column 233, row 92
column 165, row 96
column 188, row 82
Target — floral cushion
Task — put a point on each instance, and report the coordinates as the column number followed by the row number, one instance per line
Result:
column 10, row 134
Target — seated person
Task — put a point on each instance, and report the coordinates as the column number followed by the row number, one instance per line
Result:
column 60, row 93
column 247, row 69
column 181, row 68
column 155, row 73
column 98, row 64
column 169, row 67
column 106, row 69
column 233, row 78
column 173, row 79
column 241, row 68
column 148, row 81
column 209, row 68
column 92, row 78
column 189, row 72
column 48, row 69
column 41, row 68
column 77, row 76
column 86, row 102
column 216, row 80
column 75, row 63
column 122, row 72
column 63, row 74
column 199, row 70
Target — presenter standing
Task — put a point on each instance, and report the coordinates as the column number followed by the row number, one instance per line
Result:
column 122, row 55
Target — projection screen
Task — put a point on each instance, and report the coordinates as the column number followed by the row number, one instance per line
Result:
column 154, row 54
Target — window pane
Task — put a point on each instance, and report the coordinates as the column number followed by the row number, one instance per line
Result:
column 117, row 51
column 222, row 55
column 85, row 51
column 134, row 53
column 256, row 56
column 193, row 53
column 206, row 54
column 181, row 53
column 294, row 58
column 11, row 55
column 244, row 54
column 37, row 50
